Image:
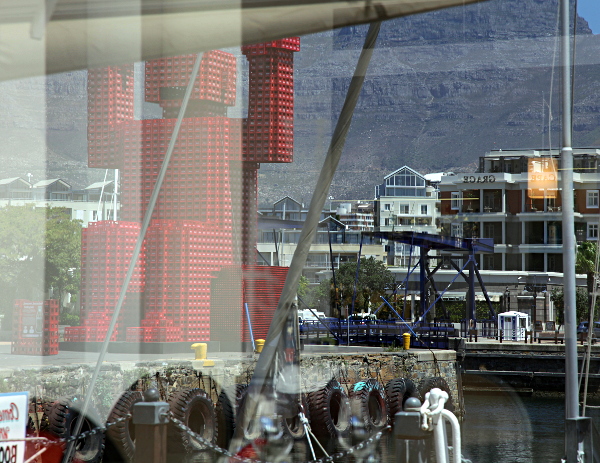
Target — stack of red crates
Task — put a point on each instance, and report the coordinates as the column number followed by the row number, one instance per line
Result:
column 262, row 289
column 35, row 327
column 110, row 102
column 226, row 305
column 182, row 258
column 209, row 183
column 269, row 128
column 204, row 151
column 167, row 79
column 249, row 207
column 106, row 250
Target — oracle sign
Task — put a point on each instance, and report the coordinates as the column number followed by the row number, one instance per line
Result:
column 479, row 179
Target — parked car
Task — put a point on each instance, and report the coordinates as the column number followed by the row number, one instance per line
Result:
column 582, row 330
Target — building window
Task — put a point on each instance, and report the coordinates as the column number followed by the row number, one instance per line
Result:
column 488, row 230
column 387, row 207
column 592, row 231
column 404, row 209
column 592, row 198
column 423, row 209
column 455, row 200
column 456, row 230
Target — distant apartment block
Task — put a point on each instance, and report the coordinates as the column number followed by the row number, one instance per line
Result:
column 337, row 240
column 95, row 202
column 405, row 201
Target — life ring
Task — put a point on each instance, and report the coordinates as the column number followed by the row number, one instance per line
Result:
column 369, row 404
column 62, row 418
column 330, row 411
column 436, row 381
column 397, row 391
column 195, row 410
column 120, row 437
column 228, row 405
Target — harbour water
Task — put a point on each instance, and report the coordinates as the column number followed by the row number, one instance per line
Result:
column 506, row 428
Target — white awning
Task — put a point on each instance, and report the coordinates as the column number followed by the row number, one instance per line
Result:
column 84, row 34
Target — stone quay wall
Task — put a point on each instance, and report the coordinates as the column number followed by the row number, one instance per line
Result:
column 50, row 383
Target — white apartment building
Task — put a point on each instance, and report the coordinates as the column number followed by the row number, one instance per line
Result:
column 93, row 203
column 405, row 201
column 337, row 239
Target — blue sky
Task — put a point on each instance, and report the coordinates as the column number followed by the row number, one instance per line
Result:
column 590, row 11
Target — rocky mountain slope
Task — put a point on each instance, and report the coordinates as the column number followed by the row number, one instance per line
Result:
column 442, row 89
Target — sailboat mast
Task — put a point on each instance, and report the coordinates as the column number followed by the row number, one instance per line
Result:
column 569, row 242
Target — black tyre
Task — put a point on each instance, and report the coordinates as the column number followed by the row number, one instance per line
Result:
column 62, row 417
column 436, row 381
column 228, row 405
column 195, row 410
column 397, row 391
column 120, row 437
column 329, row 412
column 369, row 404
column 293, row 425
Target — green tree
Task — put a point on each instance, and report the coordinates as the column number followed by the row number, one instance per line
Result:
column 581, row 304
column 585, row 262
column 21, row 256
column 303, row 286
column 373, row 280
column 63, row 253
column 40, row 250
column 318, row 297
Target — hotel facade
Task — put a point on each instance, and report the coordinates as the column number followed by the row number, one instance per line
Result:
column 500, row 201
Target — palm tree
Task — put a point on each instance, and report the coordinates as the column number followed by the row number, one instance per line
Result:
column 585, row 262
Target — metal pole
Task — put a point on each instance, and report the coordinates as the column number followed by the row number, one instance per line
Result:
column 249, row 325
column 264, row 366
column 471, row 283
column 569, row 242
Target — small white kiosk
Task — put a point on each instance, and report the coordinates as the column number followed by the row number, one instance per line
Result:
column 513, row 325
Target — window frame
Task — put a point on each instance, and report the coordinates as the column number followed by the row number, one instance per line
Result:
column 455, row 197
column 592, row 199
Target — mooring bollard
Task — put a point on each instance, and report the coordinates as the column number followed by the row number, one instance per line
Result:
column 150, row 419
column 406, row 341
column 260, row 343
column 413, row 444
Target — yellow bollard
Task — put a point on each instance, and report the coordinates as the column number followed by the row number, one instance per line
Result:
column 259, row 343
column 201, row 349
column 406, row 339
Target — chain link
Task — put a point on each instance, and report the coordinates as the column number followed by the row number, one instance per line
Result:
column 215, row 448
column 83, row 435
column 208, row 444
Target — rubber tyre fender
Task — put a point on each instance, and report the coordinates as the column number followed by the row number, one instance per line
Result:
column 62, row 417
column 330, row 411
column 120, row 437
column 195, row 410
column 369, row 404
column 436, row 381
column 293, row 425
column 228, row 405
column 397, row 391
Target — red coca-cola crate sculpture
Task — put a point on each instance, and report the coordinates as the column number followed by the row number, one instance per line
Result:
column 211, row 185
